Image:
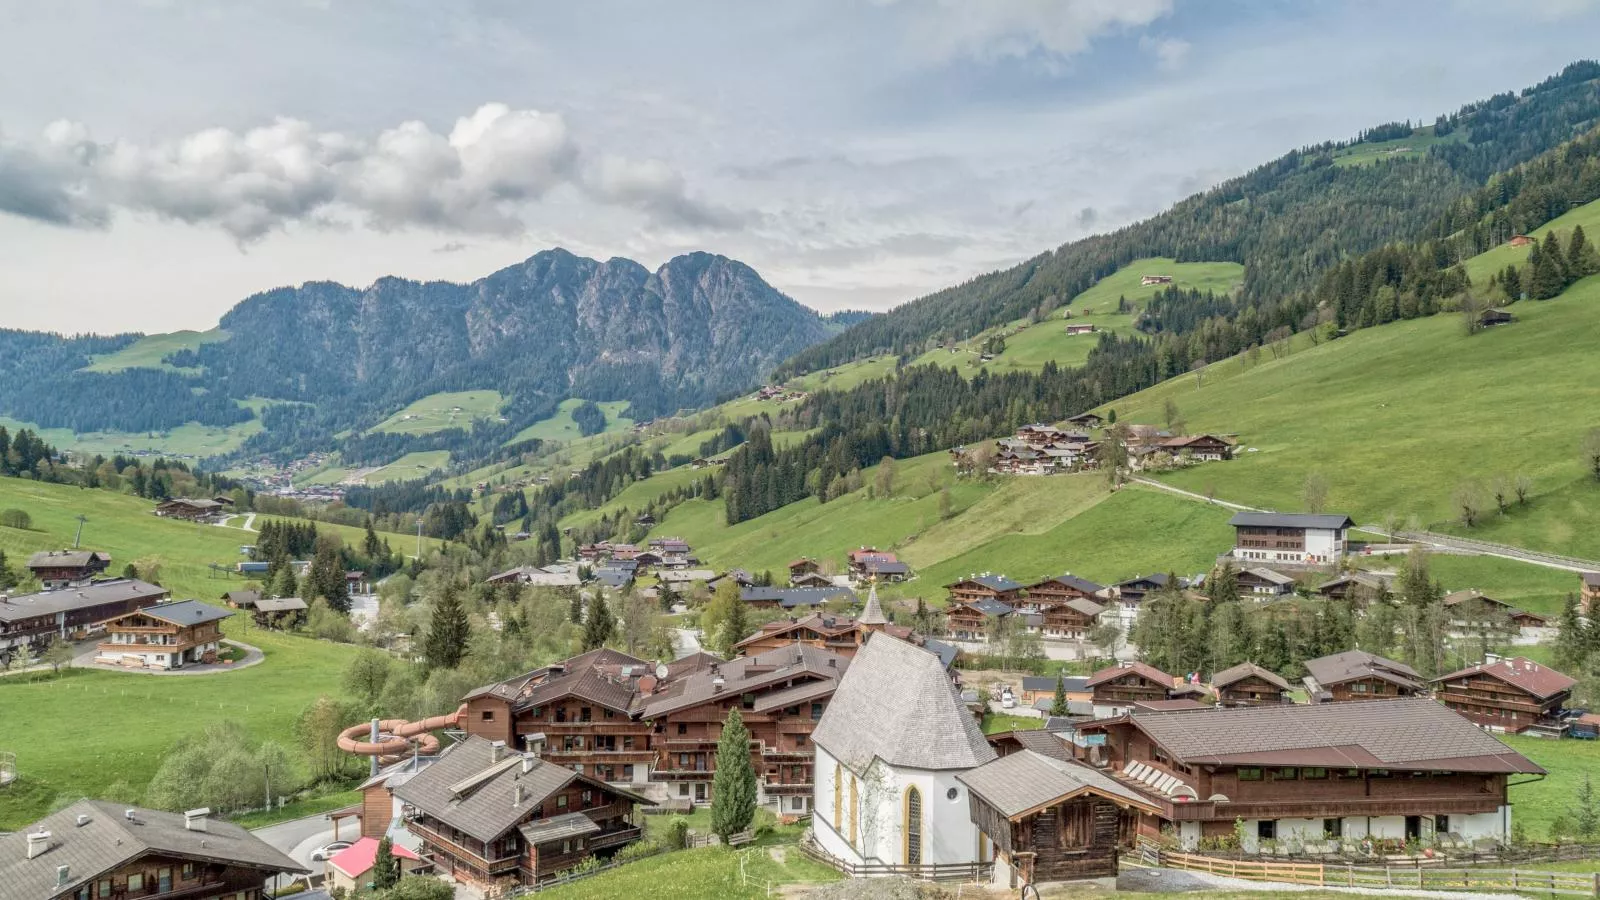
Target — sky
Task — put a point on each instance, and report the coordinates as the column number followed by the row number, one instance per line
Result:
column 161, row 160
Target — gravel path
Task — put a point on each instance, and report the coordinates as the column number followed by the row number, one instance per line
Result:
column 1178, row 881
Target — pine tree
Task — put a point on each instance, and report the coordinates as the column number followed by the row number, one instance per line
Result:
column 575, row 609
column 1585, row 816
column 386, row 868
column 733, row 630
column 1058, row 706
column 371, row 545
column 733, row 786
column 599, row 626
column 283, row 583
column 1548, row 276
column 448, row 632
column 1582, row 260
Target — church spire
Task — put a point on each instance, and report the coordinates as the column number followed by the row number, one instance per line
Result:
column 873, row 613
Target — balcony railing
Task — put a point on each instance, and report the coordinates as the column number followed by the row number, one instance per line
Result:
column 787, row 790
column 450, row 847
column 681, row 775
column 1309, row 808
column 615, row 838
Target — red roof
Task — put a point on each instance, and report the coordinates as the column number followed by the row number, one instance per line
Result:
column 357, row 858
column 1539, row 680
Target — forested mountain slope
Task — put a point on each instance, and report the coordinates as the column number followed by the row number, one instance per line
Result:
column 1286, row 221
column 556, row 326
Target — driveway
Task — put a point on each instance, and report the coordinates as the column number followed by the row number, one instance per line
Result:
column 363, row 609
column 252, row 656
column 297, row 839
column 686, row 642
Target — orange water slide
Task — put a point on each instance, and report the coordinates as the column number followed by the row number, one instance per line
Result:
column 395, row 736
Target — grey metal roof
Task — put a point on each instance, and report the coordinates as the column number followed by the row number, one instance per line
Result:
column 488, row 810
column 1350, row 665
column 558, row 828
column 280, row 604
column 747, row 675
column 1047, row 743
column 1291, row 520
column 186, row 612
column 989, row 606
column 789, row 598
column 1244, row 670
column 69, row 559
column 1072, row 581
column 897, row 704
column 1075, row 683
column 1027, row 780
column 108, row 840
column 49, row 603
column 946, row 653
column 1269, row 576
column 1412, row 734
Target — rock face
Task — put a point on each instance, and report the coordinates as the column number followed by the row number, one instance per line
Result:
column 556, row 325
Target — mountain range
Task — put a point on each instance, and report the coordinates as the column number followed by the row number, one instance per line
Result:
column 697, row 329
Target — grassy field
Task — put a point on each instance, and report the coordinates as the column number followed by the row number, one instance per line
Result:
column 1398, row 417
column 188, row 440
column 560, row 426
column 1534, row 588
column 148, row 351
column 436, row 412
column 1366, row 153
column 1029, row 347
column 699, row 875
column 412, row 466
column 1480, row 267
column 845, row 377
column 1537, row 803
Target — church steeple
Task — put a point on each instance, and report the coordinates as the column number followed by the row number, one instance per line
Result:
column 872, row 616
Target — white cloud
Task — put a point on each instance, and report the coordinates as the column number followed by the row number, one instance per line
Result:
column 997, row 29
column 1170, row 53
column 477, row 179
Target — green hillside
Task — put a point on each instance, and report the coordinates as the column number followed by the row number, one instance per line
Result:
column 1480, row 267
column 436, row 412
column 148, row 351
column 1366, row 153
column 560, row 426
column 1399, row 417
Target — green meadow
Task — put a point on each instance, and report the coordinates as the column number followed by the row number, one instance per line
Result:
column 149, row 350
column 436, row 412
column 560, row 426
column 1480, row 267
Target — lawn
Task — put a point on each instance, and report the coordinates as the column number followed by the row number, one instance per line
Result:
column 560, row 426
column 1368, row 152
column 996, row 723
column 1536, row 804
column 1399, row 417
column 844, row 377
column 1481, row 266
column 410, row 467
column 711, row 872
column 436, row 412
column 1534, row 588
column 149, row 350
column 190, row 440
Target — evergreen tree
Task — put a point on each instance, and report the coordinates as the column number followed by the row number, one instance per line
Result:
column 448, row 632
column 1586, row 813
column 733, row 786
column 734, row 629
column 283, row 583
column 599, row 626
column 386, row 868
column 1224, row 585
column 1548, row 275
column 1058, row 705
column 371, row 546
column 1572, row 644
column 575, row 609
column 1582, row 260
column 326, row 578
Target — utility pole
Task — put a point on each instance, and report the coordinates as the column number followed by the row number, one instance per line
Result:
column 419, row 537
column 268, row 780
column 79, row 537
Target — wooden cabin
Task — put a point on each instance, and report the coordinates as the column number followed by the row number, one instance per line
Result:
column 1509, row 695
column 1359, row 675
column 1125, row 683
column 985, row 587
column 164, row 636
column 59, row 568
column 1248, row 684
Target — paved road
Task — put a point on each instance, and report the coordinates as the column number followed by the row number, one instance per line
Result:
column 1159, row 485
column 297, row 838
column 686, row 642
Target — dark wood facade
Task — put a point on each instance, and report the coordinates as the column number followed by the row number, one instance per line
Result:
column 972, row 590
column 1071, row 840
column 1252, row 690
column 1127, row 684
column 157, row 876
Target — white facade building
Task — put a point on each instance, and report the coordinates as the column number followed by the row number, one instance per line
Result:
column 1311, row 540
column 888, row 750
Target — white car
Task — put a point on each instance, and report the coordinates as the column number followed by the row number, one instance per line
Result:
column 1008, row 700
column 328, row 851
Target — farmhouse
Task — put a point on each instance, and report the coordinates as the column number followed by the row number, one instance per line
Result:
column 1248, row 684
column 280, row 612
column 1116, row 688
column 1075, row 328
column 95, row 849
column 536, row 576
column 1589, row 591
column 33, row 619
column 1259, row 581
column 801, row 568
column 1401, row 769
column 836, row 634
column 1148, row 280
column 484, row 813
column 1509, row 695
column 1473, row 609
column 1086, row 420
column 193, row 510
column 868, row 563
column 241, row 599
column 1051, row 819
column 1492, row 317
column 1357, row 587
column 971, row 620
column 164, row 636
column 60, row 568
column 1359, row 675
column 795, row 598
column 1198, row 448
column 1131, row 594
column 984, row 587
column 1290, row 537
column 887, row 763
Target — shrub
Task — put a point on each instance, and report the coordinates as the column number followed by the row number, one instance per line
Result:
column 637, row 850
column 677, row 833
column 16, row 518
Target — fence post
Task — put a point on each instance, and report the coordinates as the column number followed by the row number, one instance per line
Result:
column 1597, row 884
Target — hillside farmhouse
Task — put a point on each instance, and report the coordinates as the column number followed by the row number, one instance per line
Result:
column 163, row 636
column 1359, row 675
column 1509, row 695
column 33, row 619
column 1296, row 538
column 61, row 568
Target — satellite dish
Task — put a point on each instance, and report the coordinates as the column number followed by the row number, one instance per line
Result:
column 661, row 671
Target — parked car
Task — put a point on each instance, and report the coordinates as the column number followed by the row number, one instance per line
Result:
column 1008, row 700
column 328, row 851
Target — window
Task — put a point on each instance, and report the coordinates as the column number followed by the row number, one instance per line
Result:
column 855, row 810
column 561, row 802
column 816, row 710
column 1358, row 688
column 135, row 882
column 748, row 701
column 1267, row 830
column 188, row 871
column 800, row 740
column 566, row 847
column 1249, row 773
column 164, row 880
column 561, row 714
column 588, row 797
column 1314, row 773
column 82, row 893
column 683, row 760
column 1285, row 773
column 683, row 727
column 838, row 781
column 1331, row 828
column 913, row 826
column 584, row 714
column 627, row 772
column 104, row 889
column 1441, row 824
column 487, row 715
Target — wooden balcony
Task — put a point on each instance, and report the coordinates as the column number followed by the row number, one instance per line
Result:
column 784, row 756
column 615, row 838
column 787, row 790
column 681, row 775
column 460, row 851
column 1309, row 808
column 601, row 757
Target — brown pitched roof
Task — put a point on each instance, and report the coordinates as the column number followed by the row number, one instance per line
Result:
column 1026, row 780
column 1169, row 705
column 1520, row 672
column 1036, row 739
column 1145, row 669
column 1410, row 734
column 746, row 675
column 1351, row 665
column 1244, row 670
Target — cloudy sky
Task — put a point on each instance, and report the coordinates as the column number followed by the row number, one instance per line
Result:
column 159, row 161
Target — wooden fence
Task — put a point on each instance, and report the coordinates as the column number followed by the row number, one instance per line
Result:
column 972, row 872
column 1419, row 877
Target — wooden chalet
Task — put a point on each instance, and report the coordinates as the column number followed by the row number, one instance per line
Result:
column 1198, row 447
column 836, row 634
column 985, row 587
column 1356, row 587
column 279, row 612
column 1086, row 420
column 489, row 817
column 1510, row 695
column 163, row 636
column 1248, row 684
column 1359, row 675
column 60, row 568
column 1043, row 687
column 1400, row 769
column 970, row 620
column 1260, row 582
column 31, row 620
column 241, row 599
column 1471, row 609
column 801, row 568
column 96, row 849
column 797, row 598
column 1492, row 317
column 184, row 508
column 1131, row 594
column 1077, row 328
column 1060, row 589
column 1589, row 592
column 1051, row 819
column 1121, row 685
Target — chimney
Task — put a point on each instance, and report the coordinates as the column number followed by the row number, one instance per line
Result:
column 528, row 763
column 519, row 794
column 129, row 814
column 38, row 843
column 82, row 820
column 63, row 875
column 497, row 751
column 716, row 684
column 195, row 819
